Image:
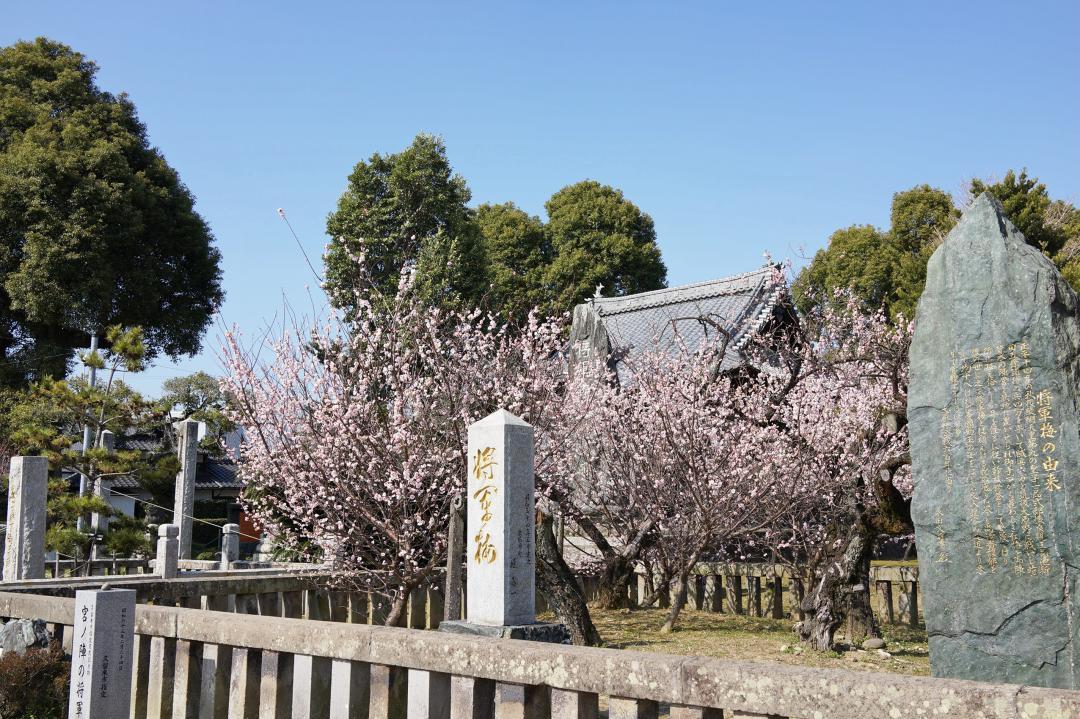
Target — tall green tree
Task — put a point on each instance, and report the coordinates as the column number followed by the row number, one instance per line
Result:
column 861, row 258
column 598, row 237
column 406, row 209
column 518, row 253
column 1051, row 225
column 888, row 269
column 884, row 268
column 96, row 228
column 200, row 398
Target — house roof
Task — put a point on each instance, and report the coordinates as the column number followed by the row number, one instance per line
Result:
column 739, row 304
column 210, row 474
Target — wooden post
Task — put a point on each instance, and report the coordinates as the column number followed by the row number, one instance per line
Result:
column 714, row 599
column 275, row 685
column 349, row 685
column 388, row 692
column 455, row 550
column 472, row 698
column 567, row 704
column 518, row 701
column 620, row 708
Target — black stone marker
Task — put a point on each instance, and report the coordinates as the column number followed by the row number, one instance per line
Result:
column 995, row 369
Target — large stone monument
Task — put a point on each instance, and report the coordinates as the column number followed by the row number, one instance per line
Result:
column 103, row 640
column 501, row 534
column 994, row 387
column 24, row 549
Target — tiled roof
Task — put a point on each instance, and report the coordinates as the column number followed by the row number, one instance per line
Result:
column 143, row 442
column 217, row 474
column 211, row 474
column 739, row 304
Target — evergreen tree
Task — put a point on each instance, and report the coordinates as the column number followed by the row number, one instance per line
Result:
column 96, row 228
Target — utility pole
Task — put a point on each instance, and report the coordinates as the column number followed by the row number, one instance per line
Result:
column 84, row 481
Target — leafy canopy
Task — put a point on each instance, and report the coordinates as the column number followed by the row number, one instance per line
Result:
column 406, row 209
column 200, row 398
column 887, row 269
column 518, row 253
column 409, row 210
column 95, row 227
column 598, row 237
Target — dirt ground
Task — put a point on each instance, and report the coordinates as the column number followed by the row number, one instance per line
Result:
column 728, row 636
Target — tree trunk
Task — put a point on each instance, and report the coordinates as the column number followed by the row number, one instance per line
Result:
column 556, row 582
column 677, row 601
column 618, row 565
column 841, row 591
column 615, row 582
column 396, row 617
column 657, row 585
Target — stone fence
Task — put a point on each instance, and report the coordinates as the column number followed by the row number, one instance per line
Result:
column 191, row 662
column 58, row 568
column 745, row 589
column 757, row 589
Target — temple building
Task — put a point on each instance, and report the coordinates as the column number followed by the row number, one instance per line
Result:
column 739, row 307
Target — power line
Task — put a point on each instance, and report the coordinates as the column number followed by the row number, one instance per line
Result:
column 167, row 509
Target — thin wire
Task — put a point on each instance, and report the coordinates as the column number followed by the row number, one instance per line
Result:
column 281, row 214
column 192, row 518
column 33, row 358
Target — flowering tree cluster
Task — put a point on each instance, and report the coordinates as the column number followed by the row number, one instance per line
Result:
column 356, row 432
column 356, row 437
column 779, row 458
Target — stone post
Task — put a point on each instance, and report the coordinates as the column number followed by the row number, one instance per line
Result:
column 501, row 518
column 230, row 545
column 24, row 551
column 184, row 500
column 501, row 541
column 167, row 551
column 102, row 654
column 455, row 548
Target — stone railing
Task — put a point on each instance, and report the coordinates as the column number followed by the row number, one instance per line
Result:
column 191, row 662
column 758, row 590
column 58, row 568
column 745, row 589
column 293, row 594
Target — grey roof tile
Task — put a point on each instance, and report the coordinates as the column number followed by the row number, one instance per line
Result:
column 662, row 318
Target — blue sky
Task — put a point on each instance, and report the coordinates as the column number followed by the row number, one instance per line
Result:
column 741, row 128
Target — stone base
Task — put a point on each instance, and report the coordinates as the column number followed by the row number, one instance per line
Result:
column 538, row 632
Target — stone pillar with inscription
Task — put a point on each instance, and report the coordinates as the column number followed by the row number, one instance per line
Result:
column 992, row 406
column 24, row 550
column 102, row 648
column 184, row 497
column 501, row 534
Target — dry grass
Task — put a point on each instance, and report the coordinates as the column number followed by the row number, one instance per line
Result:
column 728, row 636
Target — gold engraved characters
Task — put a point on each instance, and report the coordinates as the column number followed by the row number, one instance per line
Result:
column 1048, row 433
column 1008, row 460
column 484, row 473
column 942, row 554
